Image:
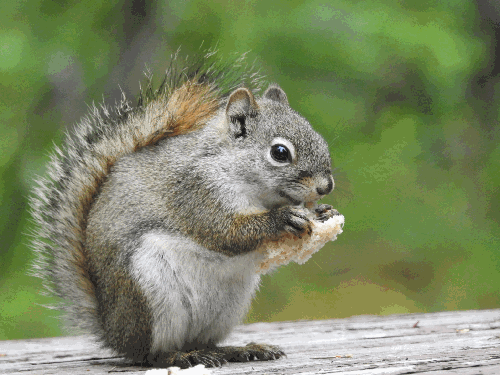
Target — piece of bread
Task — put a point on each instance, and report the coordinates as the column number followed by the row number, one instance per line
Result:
column 196, row 370
column 326, row 226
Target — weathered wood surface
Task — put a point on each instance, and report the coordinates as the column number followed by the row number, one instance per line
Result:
column 463, row 342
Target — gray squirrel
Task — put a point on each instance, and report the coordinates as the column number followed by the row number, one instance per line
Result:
column 149, row 217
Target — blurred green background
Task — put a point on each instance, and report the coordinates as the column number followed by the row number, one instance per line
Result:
column 406, row 93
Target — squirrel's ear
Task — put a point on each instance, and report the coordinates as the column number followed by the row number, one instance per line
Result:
column 274, row 92
column 241, row 104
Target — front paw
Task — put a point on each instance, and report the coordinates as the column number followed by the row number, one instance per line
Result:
column 294, row 220
column 325, row 212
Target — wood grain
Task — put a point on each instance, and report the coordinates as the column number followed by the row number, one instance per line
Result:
column 459, row 342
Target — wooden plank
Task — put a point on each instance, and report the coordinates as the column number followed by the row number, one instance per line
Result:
column 459, row 342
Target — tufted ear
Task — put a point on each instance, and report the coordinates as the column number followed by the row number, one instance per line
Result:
column 274, row 92
column 240, row 106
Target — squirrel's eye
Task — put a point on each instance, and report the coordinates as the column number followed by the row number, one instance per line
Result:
column 280, row 153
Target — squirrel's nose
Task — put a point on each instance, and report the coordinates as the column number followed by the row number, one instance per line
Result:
column 325, row 185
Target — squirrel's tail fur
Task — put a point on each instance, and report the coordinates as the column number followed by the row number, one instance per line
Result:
column 191, row 92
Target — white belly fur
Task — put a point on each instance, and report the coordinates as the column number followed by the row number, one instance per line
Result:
column 194, row 294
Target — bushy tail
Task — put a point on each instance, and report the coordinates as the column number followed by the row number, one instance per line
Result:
column 190, row 93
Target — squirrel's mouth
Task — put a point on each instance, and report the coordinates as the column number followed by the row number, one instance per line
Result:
column 295, row 202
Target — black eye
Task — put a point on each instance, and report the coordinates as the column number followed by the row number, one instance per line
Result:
column 280, row 153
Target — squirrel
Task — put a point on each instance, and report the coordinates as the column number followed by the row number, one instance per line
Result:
column 150, row 216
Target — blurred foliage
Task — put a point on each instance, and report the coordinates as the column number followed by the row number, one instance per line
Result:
column 406, row 93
